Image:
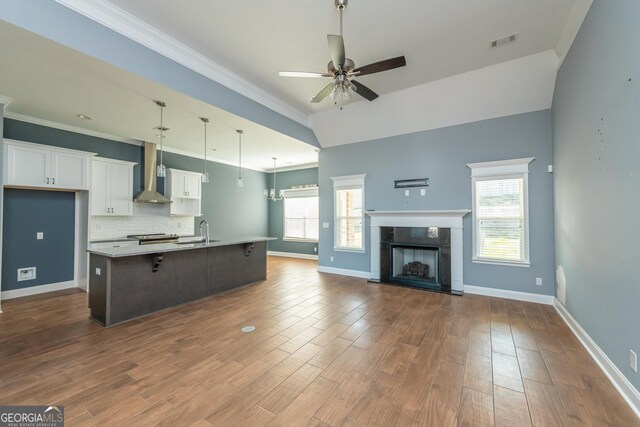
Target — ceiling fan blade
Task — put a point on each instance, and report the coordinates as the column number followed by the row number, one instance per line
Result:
column 364, row 91
column 303, row 74
column 336, row 49
column 376, row 67
column 322, row 94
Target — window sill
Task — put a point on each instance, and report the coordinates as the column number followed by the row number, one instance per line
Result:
column 502, row 263
column 291, row 239
column 357, row 251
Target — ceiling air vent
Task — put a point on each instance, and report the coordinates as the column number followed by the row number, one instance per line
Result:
column 504, row 40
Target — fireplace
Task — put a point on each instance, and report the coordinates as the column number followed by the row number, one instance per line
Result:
column 418, row 257
column 450, row 274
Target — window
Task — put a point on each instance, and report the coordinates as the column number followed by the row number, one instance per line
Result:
column 349, row 212
column 301, row 214
column 500, row 212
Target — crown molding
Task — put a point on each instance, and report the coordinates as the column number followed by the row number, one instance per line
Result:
column 69, row 128
column 293, row 168
column 576, row 17
column 83, row 131
column 139, row 31
column 5, row 101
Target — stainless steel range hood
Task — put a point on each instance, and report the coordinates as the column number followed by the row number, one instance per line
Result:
column 149, row 194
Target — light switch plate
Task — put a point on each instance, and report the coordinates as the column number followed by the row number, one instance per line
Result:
column 423, row 191
column 39, row 235
column 98, row 272
column 406, row 192
column 325, row 225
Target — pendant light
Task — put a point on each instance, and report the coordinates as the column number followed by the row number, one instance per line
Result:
column 271, row 193
column 161, row 170
column 240, row 179
column 205, row 174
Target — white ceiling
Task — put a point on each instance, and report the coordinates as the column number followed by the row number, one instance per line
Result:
column 51, row 82
column 439, row 38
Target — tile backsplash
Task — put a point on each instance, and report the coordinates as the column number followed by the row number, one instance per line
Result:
column 147, row 218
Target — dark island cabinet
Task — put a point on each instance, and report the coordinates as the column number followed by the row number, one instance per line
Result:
column 125, row 288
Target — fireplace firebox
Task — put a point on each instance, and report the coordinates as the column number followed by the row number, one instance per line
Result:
column 415, row 266
column 418, row 257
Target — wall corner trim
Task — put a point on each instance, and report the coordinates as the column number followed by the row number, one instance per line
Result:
column 345, row 272
column 292, row 255
column 507, row 294
column 35, row 290
column 628, row 392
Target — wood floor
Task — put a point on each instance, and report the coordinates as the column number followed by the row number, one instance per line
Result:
column 327, row 350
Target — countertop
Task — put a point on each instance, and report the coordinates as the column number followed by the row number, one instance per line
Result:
column 117, row 252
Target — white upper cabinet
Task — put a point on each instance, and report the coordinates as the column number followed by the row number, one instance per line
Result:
column 183, row 188
column 111, row 187
column 43, row 166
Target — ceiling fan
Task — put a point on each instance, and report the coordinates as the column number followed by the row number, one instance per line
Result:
column 343, row 70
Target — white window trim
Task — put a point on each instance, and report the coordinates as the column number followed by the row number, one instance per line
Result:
column 294, row 193
column 501, row 169
column 348, row 182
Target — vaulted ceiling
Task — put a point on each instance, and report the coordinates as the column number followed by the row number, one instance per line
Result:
column 452, row 75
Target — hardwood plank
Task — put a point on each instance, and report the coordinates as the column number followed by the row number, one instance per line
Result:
column 506, row 372
column 476, row 408
column 502, row 342
column 302, row 409
column 480, row 342
column 337, row 408
column 532, row 366
column 289, row 389
column 510, row 408
column 478, row 373
column 544, row 405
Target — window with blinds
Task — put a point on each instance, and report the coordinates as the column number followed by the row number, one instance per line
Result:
column 349, row 218
column 500, row 219
column 348, row 197
column 301, row 218
column 501, row 211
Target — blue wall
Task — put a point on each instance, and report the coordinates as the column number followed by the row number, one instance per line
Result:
column 63, row 25
column 442, row 155
column 596, row 154
column 286, row 180
column 27, row 212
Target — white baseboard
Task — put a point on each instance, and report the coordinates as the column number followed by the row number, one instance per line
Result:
column 35, row 290
column 515, row 295
column 345, row 272
column 292, row 255
column 629, row 393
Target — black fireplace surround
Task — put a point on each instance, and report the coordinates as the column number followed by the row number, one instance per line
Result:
column 418, row 257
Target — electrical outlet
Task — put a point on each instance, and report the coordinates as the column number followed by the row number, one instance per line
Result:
column 28, row 273
column 538, row 281
column 98, row 272
column 331, row 259
column 406, row 193
column 39, row 235
column 315, row 249
column 633, row 361
column 423, row 191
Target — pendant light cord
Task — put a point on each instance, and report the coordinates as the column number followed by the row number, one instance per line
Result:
column 205, row 147
column 161, row 136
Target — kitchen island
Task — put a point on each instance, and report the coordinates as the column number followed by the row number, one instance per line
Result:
column 132, row 281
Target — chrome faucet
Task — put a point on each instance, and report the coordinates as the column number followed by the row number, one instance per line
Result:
column 204, row 237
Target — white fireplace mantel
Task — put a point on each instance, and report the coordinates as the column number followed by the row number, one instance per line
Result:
column 421, row 218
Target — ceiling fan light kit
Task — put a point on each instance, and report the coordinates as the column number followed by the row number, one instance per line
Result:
column 342, row 69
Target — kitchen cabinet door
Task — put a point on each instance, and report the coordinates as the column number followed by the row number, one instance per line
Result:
column 192, row 185
column 27, row 166
column 100, row 188
column 111, row 188
column 69, row 171
column 122, row 190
